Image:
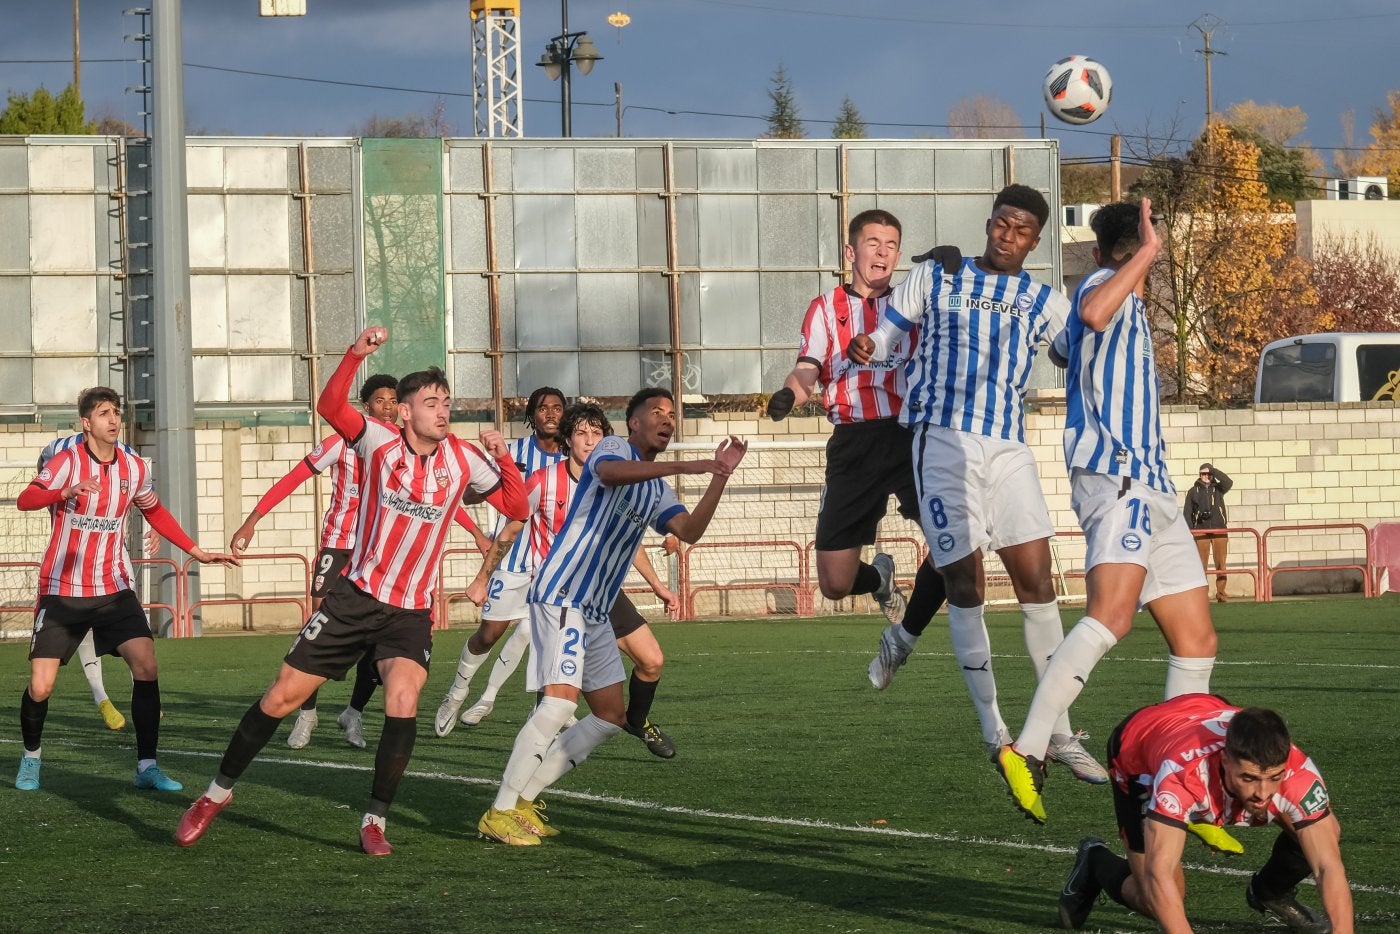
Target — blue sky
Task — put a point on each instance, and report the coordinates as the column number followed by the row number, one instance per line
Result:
column 684, row 64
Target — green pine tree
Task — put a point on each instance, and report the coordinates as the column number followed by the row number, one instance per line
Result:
column 848, row 124
column 41, row 112
column 783, row 119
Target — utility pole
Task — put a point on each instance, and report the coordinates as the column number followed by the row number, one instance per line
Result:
column 1206, row 24
column 1115, row 168
column 617, row 93
column 77, row 67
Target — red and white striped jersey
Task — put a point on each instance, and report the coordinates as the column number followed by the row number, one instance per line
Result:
column 550, row 491
column 86, row 556
column 1174, row 748
column 406, row 506
column 346, row 475
column 853, row 393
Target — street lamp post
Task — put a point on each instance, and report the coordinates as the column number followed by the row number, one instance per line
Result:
column 564, row 51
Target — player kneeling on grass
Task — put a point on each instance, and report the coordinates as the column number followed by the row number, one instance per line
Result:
column 573, row 648
column 85, row 578
column 1197, row 758
column 414, row 478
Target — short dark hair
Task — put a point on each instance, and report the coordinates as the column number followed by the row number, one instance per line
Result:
column 1026, row 198
column 375, row 383
column 585, row 413
column 90, row 399
column 538, row 396
column 641, row 396
column 431, row 378
column 873, row 216
column 1259, row 736
column 1115, row 227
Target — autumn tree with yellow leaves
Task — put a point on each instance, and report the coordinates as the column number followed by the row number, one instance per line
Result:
column 1382, row 157
column 1228, row 276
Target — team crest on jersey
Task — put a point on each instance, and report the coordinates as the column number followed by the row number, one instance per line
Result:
column 1168, row 804
column 1132, row 541
column 46, row 475
column 318, row 450
column 1024, row 301
column 125, row 485
column 1315, row 801
column 440, row 475
column 945, row 542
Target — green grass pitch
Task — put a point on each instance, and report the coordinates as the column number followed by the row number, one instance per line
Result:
column 801, row 799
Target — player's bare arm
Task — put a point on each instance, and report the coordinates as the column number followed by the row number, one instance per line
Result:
column 621, row 472
column 690, row 526
column 1158, row 887
column 668, row 597
column 495, row 553
column 799, row 386
column 1321, row 843
column 1099, row 304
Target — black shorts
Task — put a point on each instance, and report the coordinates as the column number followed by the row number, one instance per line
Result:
column 1130, row 805
column 60, row 623
column 351, row 623
column 866, row 462
column 624, row 617
column 330, row 566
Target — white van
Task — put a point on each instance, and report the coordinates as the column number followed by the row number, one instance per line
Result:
column 1330, row 368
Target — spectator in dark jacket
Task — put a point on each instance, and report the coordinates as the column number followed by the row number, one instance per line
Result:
column 1205, row 509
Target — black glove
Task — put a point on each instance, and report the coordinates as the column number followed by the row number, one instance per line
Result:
column 947, row 256
column 780, row 404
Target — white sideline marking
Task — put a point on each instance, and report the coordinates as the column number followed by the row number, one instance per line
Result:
column 805, row 823
column 1161, row 660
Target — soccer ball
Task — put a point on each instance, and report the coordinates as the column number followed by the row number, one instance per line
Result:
column 1078, row 89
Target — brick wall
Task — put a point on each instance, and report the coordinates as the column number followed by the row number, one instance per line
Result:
column 1292, row 464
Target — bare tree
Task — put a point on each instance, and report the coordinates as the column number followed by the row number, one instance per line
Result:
column 983, row 117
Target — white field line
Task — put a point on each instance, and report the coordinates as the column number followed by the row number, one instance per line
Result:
column 1155, row 660
column 725, row 816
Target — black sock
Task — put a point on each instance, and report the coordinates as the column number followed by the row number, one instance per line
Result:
column 928, row 595
column 310, row 702
column 145, row 716
column 366, row 680
column 867, row 579
column 31, row 720
column 1287, row 866
column 640, row 695
column 253, row 732
column 1110, row 871
column 391, row 761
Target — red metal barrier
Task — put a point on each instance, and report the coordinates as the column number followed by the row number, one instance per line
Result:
column 442, row 597
column 303, row 601
column 1258, row 574
column 177, row 613
column 1367, row 583
column 801, row 590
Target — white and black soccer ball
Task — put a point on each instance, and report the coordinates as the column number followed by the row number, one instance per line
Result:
column 1078, row 89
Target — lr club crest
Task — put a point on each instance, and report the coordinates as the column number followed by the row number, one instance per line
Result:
column 441, row 475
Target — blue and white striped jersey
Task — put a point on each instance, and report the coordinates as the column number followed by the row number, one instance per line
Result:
column 601, row 535
column 529, row 457
column 979, row 335
column 1113, row 423
column 72, row 441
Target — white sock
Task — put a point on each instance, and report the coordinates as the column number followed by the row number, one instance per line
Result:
column 33, row 753
column 92, row 668
column 512, row 653
column 905, row 636
column 144, row 764
column 568, row 751
column 217, row 793
column 1044, row 631
column 530, row 744
column 973, row 649
column 350, row 713
column 1061, row 683
column 466, row 667
column 375, row 819
column 1188, row 675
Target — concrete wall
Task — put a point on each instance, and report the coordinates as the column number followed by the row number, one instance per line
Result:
column 1319, row 221
column 1292, row 464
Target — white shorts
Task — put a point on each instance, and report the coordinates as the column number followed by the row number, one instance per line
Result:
column 976, row 492
column 505, row 596
column 1135, row 524
column 567, row 648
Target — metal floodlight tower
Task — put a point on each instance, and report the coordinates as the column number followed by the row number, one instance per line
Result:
column 496, row 92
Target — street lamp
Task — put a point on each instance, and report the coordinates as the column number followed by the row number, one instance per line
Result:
column 563, row 51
